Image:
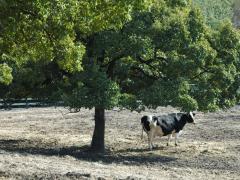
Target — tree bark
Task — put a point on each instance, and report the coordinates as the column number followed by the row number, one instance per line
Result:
column 98, row 144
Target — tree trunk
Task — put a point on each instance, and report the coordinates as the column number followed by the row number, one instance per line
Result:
column 97, row 144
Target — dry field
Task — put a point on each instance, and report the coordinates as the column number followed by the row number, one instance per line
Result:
column 41, row 143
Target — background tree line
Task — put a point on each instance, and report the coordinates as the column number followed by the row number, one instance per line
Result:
column 134, row 54
column 216, row 11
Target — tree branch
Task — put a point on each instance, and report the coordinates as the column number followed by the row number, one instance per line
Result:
column 201, row 73
column 153, row 77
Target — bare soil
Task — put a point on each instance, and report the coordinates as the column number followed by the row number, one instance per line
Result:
column 47, row 143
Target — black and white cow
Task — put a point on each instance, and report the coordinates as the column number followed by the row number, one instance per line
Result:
column 165, row 125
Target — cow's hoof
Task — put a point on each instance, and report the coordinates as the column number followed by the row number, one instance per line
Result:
column 167, row 144
column 176, row 144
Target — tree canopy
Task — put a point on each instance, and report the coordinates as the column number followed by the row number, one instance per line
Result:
column 41, row 35
column 166, row 56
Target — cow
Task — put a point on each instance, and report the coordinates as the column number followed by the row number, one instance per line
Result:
column 165, row 125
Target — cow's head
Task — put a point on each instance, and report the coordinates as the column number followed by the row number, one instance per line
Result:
column 190, row 118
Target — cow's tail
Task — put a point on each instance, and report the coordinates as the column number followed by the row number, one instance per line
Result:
column 143, row 119
column 142, row 131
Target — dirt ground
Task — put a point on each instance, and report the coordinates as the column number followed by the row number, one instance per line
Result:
column 47, row 143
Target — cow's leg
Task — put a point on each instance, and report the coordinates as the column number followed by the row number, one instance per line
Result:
column 150, row 140
column 169, row 138
column 176, row 138
column 152, row 143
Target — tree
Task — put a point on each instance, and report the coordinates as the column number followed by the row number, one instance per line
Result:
column 55, row 34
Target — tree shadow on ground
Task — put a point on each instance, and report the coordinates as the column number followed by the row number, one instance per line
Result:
column 24, row 146
column 136, row 156
column 140, row 150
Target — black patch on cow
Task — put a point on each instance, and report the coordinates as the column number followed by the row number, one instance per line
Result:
column 173, row 122
column 189, row 117
column 145, row 123
column 166, row 123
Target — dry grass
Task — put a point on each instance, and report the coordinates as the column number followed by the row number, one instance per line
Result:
column 41, row 143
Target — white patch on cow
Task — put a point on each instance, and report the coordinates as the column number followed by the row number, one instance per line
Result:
column 191, row 114
column 157, row 131
column 176, row 137
column 152, row 125
column 179, row 133
column 150, row 118
column 169, row 138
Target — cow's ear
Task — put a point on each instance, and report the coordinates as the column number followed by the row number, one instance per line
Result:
column 189, row 113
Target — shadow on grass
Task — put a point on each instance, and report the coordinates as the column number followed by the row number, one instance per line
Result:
column 24, row 146
column 136, row 156
column 140, row 150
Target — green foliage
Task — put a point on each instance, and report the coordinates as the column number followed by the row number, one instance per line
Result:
column 94, row 90
column 33, row 80
column 43, row 42
column 163, row 93
column 168, row 56
column 215, row 11
column 96, row 15
column 131, row 102
column 40, row 30
column 5, row 74
column 52, row 31
column 70, row 55
column 196, row 25
column 178, row 2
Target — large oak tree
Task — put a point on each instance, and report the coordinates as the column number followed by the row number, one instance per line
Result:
column 42, row 42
